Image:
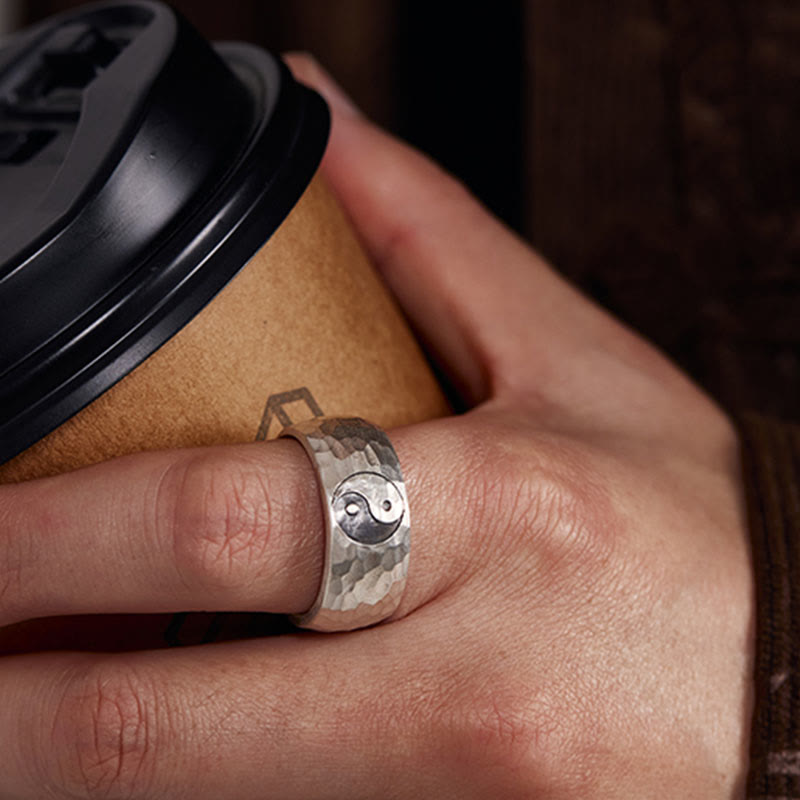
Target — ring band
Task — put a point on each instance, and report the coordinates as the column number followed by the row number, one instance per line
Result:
column 365, row 509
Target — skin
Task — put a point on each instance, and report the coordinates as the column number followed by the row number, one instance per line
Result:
column 577, row 621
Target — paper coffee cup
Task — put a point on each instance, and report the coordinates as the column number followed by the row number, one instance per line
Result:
column 173, row 273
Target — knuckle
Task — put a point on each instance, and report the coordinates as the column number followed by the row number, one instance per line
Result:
column 503, row 738
column 482, row 728
column 220, row 513
column 496, row 733
column 104, row 735
column 528, row 745
column 535, row 492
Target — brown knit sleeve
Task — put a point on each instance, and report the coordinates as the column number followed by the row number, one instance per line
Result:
column 771, row 465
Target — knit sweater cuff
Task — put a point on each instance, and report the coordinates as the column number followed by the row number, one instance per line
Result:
column 771, row 469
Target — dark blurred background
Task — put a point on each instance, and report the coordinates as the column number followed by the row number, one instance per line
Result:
column 649, row 148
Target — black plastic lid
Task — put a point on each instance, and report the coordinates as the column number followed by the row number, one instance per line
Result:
column 140, row 169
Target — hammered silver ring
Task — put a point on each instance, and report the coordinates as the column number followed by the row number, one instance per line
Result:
column 367, row 532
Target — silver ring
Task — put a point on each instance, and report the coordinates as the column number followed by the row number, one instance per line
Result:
column 367, row 531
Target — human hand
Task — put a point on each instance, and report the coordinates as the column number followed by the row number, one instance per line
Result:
column 577, row 616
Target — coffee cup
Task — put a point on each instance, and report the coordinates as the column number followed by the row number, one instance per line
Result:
column 174, row 270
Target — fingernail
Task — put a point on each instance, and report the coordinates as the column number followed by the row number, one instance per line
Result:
column 309, row 70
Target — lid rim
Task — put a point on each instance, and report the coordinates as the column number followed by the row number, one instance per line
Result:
column 209, row 247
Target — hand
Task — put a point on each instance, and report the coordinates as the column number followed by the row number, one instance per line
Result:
column 578, row 611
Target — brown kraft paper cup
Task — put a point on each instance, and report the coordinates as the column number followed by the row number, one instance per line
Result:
column 173, row 272
column 306, row 328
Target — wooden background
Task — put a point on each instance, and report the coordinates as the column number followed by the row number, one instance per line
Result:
column 650, row 148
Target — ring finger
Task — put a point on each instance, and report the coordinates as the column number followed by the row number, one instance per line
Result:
column 224, row 529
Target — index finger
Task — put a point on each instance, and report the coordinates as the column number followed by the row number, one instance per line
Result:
column 502, row 323
column 481, row 298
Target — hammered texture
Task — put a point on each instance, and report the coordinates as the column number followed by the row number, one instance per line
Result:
column 367, row 523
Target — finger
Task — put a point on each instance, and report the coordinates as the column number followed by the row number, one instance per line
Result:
column 501, row 322
column 224, row 529
column 481, row 298
column 297, row 717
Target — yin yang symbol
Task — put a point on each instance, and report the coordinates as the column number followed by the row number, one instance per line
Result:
column 368, row 507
